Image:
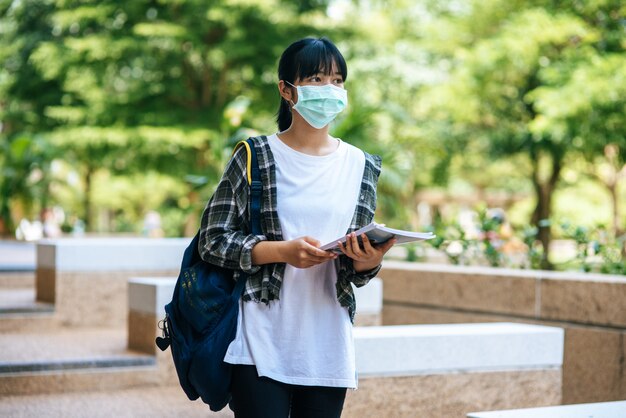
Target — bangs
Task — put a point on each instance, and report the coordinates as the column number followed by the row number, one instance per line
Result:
column 320, row 56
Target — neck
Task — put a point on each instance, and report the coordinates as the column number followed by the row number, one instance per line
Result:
column 306, row 139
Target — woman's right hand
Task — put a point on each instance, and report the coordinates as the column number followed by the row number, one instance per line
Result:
column 301, row 252
column 304, row 252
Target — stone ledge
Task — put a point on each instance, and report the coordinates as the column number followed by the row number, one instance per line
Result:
column 21, row 301
column 426, row 349
column 457, row 288
column 593, row 301
column 111, row 254
column 150, row 295
column 17, row 279
column 77, row 364
column 601, row 409
column 582, row 298
column 452, row 395
column 590, row 307
column 147, row 297
column 501, row 271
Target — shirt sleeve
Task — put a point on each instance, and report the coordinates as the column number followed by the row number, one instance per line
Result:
column 223, row 237
column 347, row 272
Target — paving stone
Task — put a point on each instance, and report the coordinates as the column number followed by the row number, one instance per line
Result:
column 157, row 402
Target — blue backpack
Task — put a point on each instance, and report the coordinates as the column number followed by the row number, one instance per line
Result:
column 201, row 320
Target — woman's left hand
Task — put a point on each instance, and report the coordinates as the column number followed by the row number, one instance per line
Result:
column 369, row 256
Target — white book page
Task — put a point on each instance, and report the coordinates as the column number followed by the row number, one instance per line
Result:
column 379, row 233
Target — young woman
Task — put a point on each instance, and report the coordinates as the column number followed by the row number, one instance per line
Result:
column 293, row 354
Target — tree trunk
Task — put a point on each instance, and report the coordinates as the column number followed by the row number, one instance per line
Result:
column 6, row 223
column 87, row 200
column 543, row 211
column 45, row 193
column 610, row 184
column 615, row 208
column 617, row 230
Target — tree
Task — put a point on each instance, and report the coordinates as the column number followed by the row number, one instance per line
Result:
column 24, row 95
column 503, row 75
column 24, row 160
column 146, row 85
column 387, row 72
column 589, row 107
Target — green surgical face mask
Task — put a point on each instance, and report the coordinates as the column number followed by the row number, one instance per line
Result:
column 319, row 105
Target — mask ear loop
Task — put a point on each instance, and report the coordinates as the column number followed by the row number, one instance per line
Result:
column 291, row 101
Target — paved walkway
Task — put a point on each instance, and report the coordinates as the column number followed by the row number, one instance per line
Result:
column 130, row 403
column 64, row 344
column 21, row 300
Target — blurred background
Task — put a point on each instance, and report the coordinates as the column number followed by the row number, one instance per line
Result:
column 501, row 123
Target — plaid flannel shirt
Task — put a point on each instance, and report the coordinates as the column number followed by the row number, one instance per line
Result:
column 225, row 242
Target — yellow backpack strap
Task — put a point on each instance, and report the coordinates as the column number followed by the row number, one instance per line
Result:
column 249, row 158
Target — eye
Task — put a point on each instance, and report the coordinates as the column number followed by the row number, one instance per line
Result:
column 315, row 79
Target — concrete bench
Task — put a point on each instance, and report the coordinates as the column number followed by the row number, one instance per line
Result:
column 86, row 279
column 413, row 370
column 588, row 410
column 426, row 349
column 590, row 307
column 448, row 370
column 147, row 297
column 23, row 279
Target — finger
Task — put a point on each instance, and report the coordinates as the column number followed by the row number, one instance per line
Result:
column 318, row 260
column 350, row 250
column 348, row 247
column 367, row 244
column 387, row 245
column 312, row 260
column 312, row 241
column 316, row 252
column 323, row 255
column 356, row 248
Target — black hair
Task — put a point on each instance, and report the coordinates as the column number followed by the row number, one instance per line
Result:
column 302, row 59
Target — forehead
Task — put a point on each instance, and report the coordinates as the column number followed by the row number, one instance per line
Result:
column 333, row 70
column 322, row 69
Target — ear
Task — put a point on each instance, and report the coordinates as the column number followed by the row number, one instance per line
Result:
column 286, row 91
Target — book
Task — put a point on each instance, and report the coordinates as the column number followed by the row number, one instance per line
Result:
column 378, row 234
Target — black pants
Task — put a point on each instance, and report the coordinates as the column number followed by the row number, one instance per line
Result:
column 261, row 397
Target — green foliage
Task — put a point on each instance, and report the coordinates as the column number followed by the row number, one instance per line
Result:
column 529, row 78
column 496, row 244
column 597, row 250
column 143, row 86
column 534, row 249
column 505, row 95
column 451, row 239
column 24, row 160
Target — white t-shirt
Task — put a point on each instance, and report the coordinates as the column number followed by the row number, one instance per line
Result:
column 305, row 337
